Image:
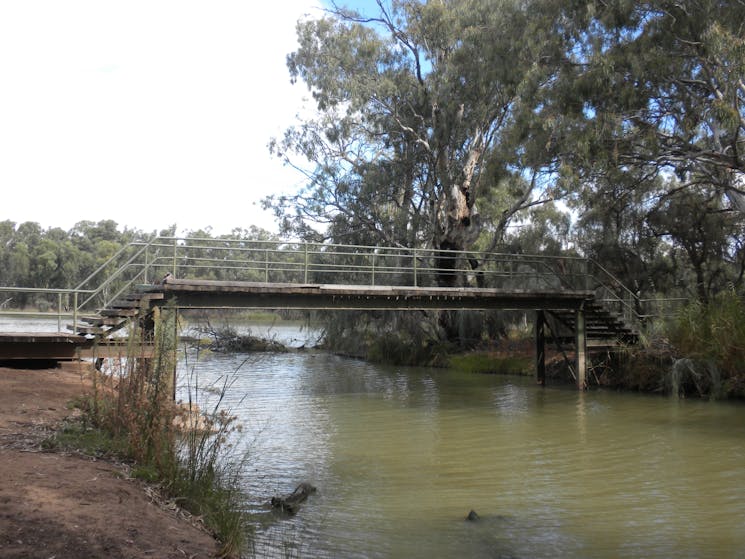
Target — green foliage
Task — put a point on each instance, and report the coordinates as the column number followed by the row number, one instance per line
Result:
column 388, row 337
column 53, row 258
column 402, row 348
column 699, row 224
column 716, row 330
column 413, row 101
column 714, row 333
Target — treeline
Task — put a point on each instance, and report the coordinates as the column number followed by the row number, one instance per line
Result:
column 31, row 256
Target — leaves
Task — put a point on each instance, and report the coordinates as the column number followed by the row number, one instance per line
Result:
column 413, row 105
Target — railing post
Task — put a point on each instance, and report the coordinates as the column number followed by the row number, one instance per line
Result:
column 372, row 282
column 147, row 265
column 266, row 265
column 175, row 248
column 75, row 312
column 59, row 312
column 305, row 245
column 415, row 270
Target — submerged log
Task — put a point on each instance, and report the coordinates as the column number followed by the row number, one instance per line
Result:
column 291, row 503
column 473, row 516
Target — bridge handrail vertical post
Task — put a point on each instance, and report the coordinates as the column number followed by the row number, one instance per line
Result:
column 415, row 268
column 586, row 272
column 59, row 312
column 372, row 279
column 266, row 265
column 75, row 311
column 305, row 276
column 175, row 249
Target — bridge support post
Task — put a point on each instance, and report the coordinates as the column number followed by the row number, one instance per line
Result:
column 540, row 347
column 174, row 371
column 581, row 344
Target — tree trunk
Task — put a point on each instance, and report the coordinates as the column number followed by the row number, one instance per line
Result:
column 460, row 225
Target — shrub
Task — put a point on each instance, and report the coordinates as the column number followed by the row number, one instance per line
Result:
column 713, row 337
column 183, row 452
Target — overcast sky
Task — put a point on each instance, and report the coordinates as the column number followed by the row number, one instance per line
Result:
column 149, row 112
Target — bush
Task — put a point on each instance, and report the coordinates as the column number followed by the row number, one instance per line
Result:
column 183, row 452
column 713, row 337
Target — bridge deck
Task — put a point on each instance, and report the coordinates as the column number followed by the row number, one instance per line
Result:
column 221, row 294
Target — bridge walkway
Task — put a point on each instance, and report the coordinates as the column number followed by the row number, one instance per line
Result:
column 568, row 307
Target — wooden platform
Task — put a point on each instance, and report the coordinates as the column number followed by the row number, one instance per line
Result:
column 39, row 345
column 56, row 346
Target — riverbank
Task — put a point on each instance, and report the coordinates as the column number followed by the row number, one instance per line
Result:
column 61, row 504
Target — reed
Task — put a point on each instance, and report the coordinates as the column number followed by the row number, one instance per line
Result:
column 183, row 450
column 713, row 336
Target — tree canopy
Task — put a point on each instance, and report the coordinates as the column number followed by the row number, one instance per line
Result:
column 413, row 107
column 449, row 123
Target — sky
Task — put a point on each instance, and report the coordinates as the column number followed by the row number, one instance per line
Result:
column 147, row 112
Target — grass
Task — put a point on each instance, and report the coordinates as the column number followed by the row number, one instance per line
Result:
column 131, row 415
column 84, row 438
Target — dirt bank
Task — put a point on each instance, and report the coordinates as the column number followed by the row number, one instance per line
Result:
column 66, row 506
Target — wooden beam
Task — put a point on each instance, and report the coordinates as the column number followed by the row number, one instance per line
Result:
column 220, row 294
column 581, row 344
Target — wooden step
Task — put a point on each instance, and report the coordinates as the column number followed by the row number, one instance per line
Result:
column 87, row 329
column 130, row 312
column 104, row 320
column 126, row 304
column 117, row 327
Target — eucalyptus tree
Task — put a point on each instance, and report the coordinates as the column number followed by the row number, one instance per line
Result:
column 709, row 233
column 657, row 86
column 414, row 106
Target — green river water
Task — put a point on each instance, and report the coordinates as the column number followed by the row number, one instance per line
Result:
column 401, row 455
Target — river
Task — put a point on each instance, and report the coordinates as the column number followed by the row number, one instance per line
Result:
column 401, row 455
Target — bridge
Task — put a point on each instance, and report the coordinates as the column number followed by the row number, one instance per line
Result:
column 576, row 301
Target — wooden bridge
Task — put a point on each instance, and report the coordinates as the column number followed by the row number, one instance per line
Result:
column 576, row 302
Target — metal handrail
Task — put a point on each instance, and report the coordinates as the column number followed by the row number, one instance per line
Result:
column 301, row 262
column 59, row 314
column 103, row 266
column 628, row 301
column 114, row 275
